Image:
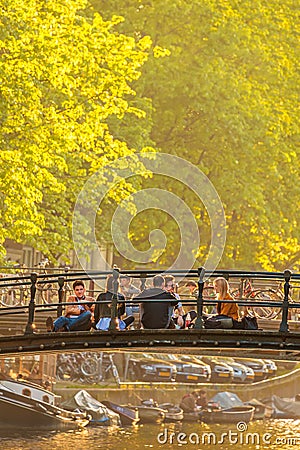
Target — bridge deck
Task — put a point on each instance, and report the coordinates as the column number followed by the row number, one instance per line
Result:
column 271, row 344
column 267, row 341
column 16, row 324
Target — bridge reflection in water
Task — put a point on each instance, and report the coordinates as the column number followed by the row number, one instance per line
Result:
column 31, row 338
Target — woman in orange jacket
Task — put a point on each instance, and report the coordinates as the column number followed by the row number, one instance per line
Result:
column 221, row 287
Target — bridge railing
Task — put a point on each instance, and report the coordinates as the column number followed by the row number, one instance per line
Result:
column 33, row 281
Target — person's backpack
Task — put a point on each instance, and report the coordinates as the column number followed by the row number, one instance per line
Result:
column 212, row 323
column 250, row 323
column 218, row 322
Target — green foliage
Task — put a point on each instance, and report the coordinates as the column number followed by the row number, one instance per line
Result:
column 227, row 99
column 220, row 88
column 65, row 75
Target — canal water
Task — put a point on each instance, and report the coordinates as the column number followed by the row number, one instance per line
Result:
column 271, row 435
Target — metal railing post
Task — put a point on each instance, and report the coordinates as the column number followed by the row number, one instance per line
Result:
column 61, row 282
column 199, row 324
column 143, row 282
column 31, row 308
column 284, row 327
column 114, row 325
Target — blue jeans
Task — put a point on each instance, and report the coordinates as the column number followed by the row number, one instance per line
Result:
column 80, row 323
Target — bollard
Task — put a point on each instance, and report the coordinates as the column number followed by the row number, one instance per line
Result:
column 30, row 325
column 199, row 324
column 114, row 323
column 284, row 327
column 61, row 282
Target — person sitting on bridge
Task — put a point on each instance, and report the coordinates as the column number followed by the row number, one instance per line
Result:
column 156, row 314
column 77, row 317
column 129, row 290
column 221, row 288
column 192, row 287
column 181, row 319
column 102, row 311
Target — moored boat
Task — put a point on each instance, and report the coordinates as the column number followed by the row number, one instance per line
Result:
column 262, row 411
column 191, row 416
column 23, row 411
column 234, row 414
column 127, row 415
column 285, row 409
column 149, row 414
column 173, row 413
column 224, row 407
column 100, row 414
column 29, row 389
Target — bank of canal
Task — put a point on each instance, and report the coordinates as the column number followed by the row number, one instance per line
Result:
column 287, row 385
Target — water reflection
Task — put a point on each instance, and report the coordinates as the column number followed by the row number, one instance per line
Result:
column 272, row 435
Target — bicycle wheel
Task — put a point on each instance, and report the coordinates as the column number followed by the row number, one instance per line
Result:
column 65, row 372
column 264, row 312
column 48, row 294
column 90, row 367
column 10, row 297
column 236, row 294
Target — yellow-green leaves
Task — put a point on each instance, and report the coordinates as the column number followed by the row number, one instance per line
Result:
column 227, row 99
column 64, row 73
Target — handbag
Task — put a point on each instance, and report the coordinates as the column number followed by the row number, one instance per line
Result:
column 250, row 323
column 218, row 322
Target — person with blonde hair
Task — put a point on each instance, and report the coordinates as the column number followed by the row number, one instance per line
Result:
column 221, row 288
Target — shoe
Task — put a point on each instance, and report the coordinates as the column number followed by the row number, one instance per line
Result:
column 49, row 324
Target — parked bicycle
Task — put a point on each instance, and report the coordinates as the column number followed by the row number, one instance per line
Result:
column 100, row 367
column 16, row 295
column 87, row 367
column 46, row 289
column 68, row 367
column 247, row 291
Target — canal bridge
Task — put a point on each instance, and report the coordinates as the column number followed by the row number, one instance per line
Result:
column 281, row 339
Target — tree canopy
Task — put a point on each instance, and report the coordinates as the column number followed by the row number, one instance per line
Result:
column 227, row 99
column 64, row 73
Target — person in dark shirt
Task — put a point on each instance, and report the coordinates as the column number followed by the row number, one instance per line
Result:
column 156, row 314
column 202, row 398
column 129, row 290
column 102, row 312
column 189, row 402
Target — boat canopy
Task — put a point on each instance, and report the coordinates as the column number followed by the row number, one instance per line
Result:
column 83, row 400
column 289, row 407
column 227, row 400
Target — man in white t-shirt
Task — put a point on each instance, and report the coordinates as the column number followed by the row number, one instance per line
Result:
column 78, row 317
